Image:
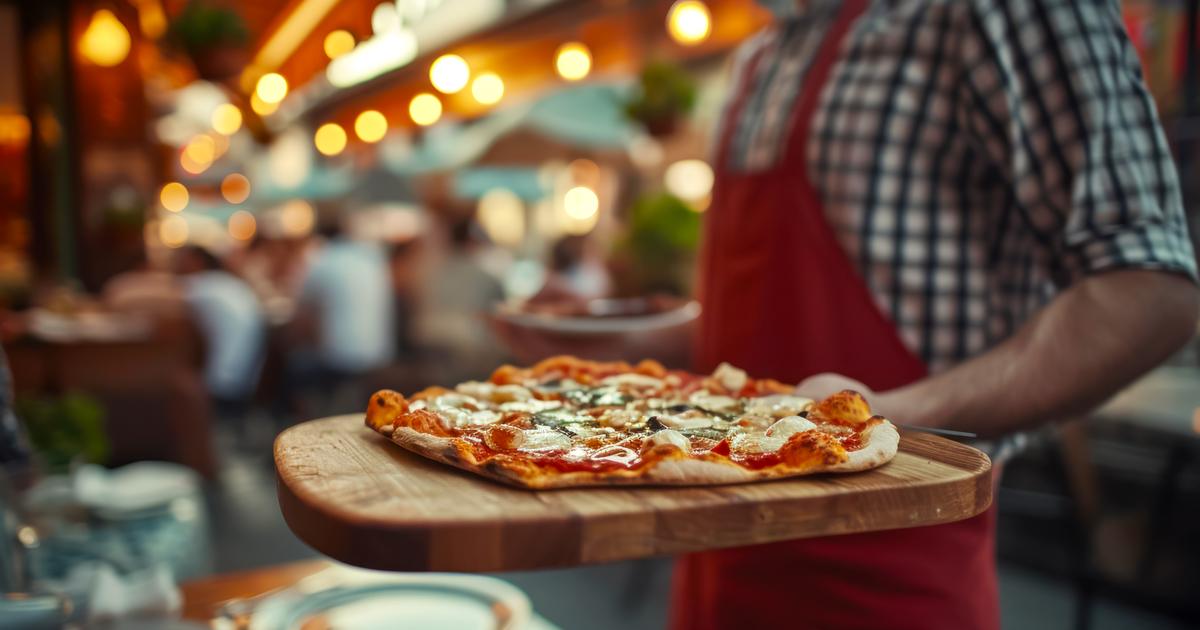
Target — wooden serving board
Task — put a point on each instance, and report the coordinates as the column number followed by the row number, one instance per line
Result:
column 358, row 498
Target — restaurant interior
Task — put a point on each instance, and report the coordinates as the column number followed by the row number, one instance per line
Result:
column 221, row 219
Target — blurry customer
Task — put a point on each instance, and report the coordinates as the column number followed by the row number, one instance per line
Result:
column 345, row 314
column 231, row 323
column 458, row 295
column 144, row 289
column 574, row 275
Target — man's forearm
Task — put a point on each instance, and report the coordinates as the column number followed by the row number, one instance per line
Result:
column 1090, row 341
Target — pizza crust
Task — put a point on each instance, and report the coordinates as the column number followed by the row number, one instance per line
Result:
column 881, row 445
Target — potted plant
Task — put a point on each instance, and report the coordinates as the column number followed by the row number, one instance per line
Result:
column 213, row 37
column 665, row 94
column 657, row 251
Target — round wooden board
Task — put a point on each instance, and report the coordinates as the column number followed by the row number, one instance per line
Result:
column 358, row 498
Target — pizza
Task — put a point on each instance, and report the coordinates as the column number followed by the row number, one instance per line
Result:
column 569, row 422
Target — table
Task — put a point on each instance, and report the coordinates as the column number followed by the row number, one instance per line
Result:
column 356, row 497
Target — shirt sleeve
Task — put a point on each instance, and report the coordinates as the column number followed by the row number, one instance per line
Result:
column 1052, row 91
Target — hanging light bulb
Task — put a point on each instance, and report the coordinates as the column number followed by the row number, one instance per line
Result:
column 105, row 42
column 689, row 22
column 449, row 74
column 573, row 61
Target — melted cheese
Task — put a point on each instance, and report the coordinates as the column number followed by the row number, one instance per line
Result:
column 731, row 378
column 544, row 439
column 789, row 426
column 618, row 418
column 532, row 405
column 694, row 419
column 714, row 402
column 672, row 437
column 476, row 389
column 755, row 443
column 777, row 406
column 639, row 381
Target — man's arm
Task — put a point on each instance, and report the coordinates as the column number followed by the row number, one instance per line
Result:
column 1094, row 338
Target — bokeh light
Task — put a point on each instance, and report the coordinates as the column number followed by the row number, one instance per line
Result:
column 488, row 88
column 261, row 107
column 235, row 188
column 173, row 196
column 581, row 203
column 106, row 41
column 573, row 61
column 425, row 109
column 271, row 87
column 330, row 139
column 370, row 126
column 201, row 149
column 226, row 119
column 338, row 43
column 173, row 231
column 296, row 218
column 690, row 180
column 689, row 22
column 242, row 225
column 449, row 74
column 502, row 215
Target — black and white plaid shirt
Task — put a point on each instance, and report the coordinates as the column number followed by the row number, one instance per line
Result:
column 973, row 156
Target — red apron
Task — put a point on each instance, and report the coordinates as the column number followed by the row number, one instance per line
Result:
column 782, row 300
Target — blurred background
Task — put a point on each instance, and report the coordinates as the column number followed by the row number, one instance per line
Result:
column 218, row 219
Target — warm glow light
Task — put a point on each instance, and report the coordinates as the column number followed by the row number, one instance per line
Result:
column 573, row 61
column 488, row 88
column 385, row 17
column 581, row 203
column 242, row 225
column 296, row 218
column 235, row 188
column 449, row 74
column 690, row 180
column 173, row 231
column 201, row 150
column 370, row 126
column 105, row 42
column 14, row 129
column 226, row 119
column 330, row 139
column 338, row 43
column 173, row 196
column 502, row 215
column 425, row 109
column 689, row 22
column 261, row 107
column 271, row 88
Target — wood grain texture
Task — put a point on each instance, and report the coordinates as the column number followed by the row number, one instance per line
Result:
column 356, row 497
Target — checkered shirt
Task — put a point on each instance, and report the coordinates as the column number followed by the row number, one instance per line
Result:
column 974, row 157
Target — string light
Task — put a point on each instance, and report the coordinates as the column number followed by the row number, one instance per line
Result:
column 488, row 88
column 573, row 61
column 449, row 74
column 173, row 196
column 338, row 43
column 235, row 188
column 425, row 109
column 502, row 215
column 105, row 42
column 297, row 218
column 173, row 231
column 330, row 139
column 261, row 107
column 226, row 119
column 581, row 203
column 271, row 88
column 242, row 225
column 689, row 22
column 370, row 126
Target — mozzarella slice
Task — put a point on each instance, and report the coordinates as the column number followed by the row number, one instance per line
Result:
column 640, row 381
column 476, row 389
column 714, row 402
column 672, row 437
column 789, row 426
column 694, row 419
column 510, row 393
column 777, row 406
column 731, row 378
column 532, row 405
column 544, row 439
column 756, row 443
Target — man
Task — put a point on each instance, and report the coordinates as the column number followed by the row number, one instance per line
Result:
column 967, row 207
column 231, row 321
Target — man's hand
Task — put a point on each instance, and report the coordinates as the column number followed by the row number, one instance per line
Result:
column 1093, row 339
